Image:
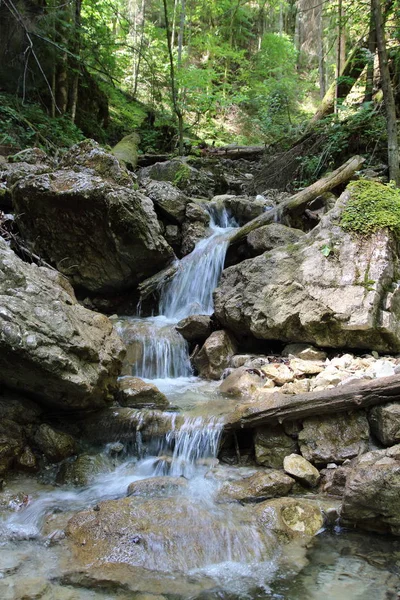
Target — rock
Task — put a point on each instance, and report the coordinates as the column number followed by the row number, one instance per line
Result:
column 272, row 445
column 306, row 367
column 126, row 150
column 304, row 352
column 17, row 408
column 298, row 467
column 196, row 213
column 136, row 393
column 32, row 156
column 348, row 298
column 257, row 487
column 329, row 377
column 196, row 328
column 50, row 346
column 12, row 443
column 157, row 487
column 215, row 355
column 197, row 183
column 278, row 372
column 271, row 236
column 241, row 382
column 168, row 200
column 242, row 208
column 104, row 237
column 55, row 445
column 191, row 234
column 174, row 237
column 371, row 497
column 26, row 461
column 334, row 438
column 333, row 481
column 83, row 470
column 290, row 517
column 11, row 173
column 385, row 423
column 299, row 386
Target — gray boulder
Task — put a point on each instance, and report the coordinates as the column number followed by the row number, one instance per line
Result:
column 257, row 487
column 66, row 356
column 272, row 445
column 331, row 288
column 195, row 328
column 169, row 200
column 194, row 182
column 271, row 236
column 385, row 423
column 55, row 445
column 215, row 355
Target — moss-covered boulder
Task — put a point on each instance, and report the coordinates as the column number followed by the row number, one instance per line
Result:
column 126, row 150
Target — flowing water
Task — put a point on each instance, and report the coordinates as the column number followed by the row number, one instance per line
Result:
column 195, row 546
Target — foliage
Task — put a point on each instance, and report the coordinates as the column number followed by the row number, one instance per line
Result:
column 372, row 206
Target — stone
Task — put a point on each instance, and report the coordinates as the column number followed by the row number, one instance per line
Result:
column 299, row 386
column 196, row 213
column 371, row 497
column 385, row 423
column 329, row 377
column 278, row 372
column 349, row 298
column 333, row 481
column 241, row 382
column 136, row 393
column 55, row 445
column 169, row 201
column 272, row 445
column 104, row 237
column 173, row 236
column 271, row 236
column 126, row 150
column 215, row 354
column 51, row 347
column 304, row 352
column 26, row 461
column 257, row 487
column 83, row 470
column 298, row 467
column 12, row 443
column 334, row 438
column 157, row 487
column 17, row 408
column 192, row 232
column 290, row 517
column 195, row 328
column 196, row 183
column 306, row 367
column 242, row 208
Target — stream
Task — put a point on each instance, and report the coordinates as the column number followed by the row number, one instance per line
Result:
column 213, row 550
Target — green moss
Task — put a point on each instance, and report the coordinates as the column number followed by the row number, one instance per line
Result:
column 182, row 175
column 372, row 206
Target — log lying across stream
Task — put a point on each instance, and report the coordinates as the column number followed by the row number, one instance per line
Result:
column 277, row 407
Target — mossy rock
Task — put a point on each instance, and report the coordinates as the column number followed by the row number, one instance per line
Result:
column 127, row 150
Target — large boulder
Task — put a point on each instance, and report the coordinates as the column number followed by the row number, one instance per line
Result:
column 50, row 346
column 103, row 235
column 195, row 328
column 55, row 445
column 169, row 201
column 257, row 487
column 331, row 288
column 271, row 236
column 198, row 183
column 272, row 445
column 385, row 423
column 371, row 498
column 215, row 354
column 136, row 393
column 126, row 150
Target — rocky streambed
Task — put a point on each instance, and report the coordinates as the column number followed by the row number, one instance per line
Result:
column 250, row 452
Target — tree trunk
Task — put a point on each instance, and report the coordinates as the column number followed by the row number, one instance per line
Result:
column 388, row 96
column 369, row 84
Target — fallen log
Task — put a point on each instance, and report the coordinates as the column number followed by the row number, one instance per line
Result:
column 302, row 198
column 277, row 407
column 235, row 152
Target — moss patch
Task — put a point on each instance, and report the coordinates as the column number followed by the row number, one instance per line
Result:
column 372, row 206
column 182, row 175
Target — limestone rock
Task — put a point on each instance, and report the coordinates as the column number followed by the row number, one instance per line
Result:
column 195, row 328
column 371, row 498
column 127, row 150
column 169, row 201
column 298, row 467
column 136, row 393
column 299, row 386
column 241, row 382
column 385, row 423
column 215, row 355
column 306, row 367
column 83, row 470
column 304, row 352
column 242, row 208
column 105, row 237
column 261, row 485
column 196, row 213
column 279, row 373
column 334, row 438
column 346, row 299
column 271, row 236
column 272, row 445
column 333, row 481
column 157, row 487
column 26, row 461
column 290, row 517
column 55, row 445
column 50, row 346
column 192, row 232
column 197, row 183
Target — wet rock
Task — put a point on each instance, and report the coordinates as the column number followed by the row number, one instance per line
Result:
column 257, row 487
column 104, row 237
column 334, row 438
column 126, row 151
column 50, row 346
column 290, row 517
column 157, row 487
column 298, row 467
column 371, row 497
column 196, row 328
column 385, row 423
column 333, row 481
column 304, row 352
column 83, row 470
column 272, row 445
column 196, row 213
column 31, row 588
column 17, row 408
column 12, row 443
column 302, row 295
column 215, row 355
column 168, row 200
column 26, row 461
column 55, row 445
column 241, row 382
column 242, row 208
column 191, row 234
column 136, row 393
column 271, row 236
